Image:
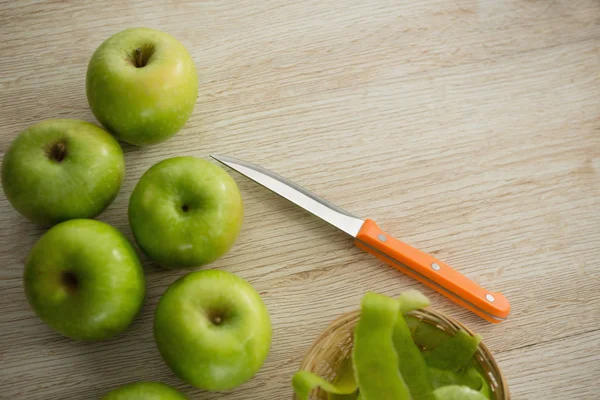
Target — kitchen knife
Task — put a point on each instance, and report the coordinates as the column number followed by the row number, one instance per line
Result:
column 493, row 307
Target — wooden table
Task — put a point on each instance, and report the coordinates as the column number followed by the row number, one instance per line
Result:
column 470, row 129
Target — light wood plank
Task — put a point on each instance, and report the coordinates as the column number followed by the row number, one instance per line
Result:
column 469, row 129
column 535, row 368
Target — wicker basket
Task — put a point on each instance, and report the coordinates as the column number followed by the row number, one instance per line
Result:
column 335, row 345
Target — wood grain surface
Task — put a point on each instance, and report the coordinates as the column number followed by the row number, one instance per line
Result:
column 467, row 128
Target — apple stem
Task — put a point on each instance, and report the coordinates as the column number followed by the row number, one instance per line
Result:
column 58, row 152
column 69, row 281
column 139, row 60
column 217, row 320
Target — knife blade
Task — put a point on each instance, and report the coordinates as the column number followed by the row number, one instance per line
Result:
column 492, row 306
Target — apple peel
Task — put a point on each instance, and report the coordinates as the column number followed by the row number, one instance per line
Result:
column 305, row 382
column 426, row 335
column 411, row 363
column 471, row 378
column 412, row 300
column 374, row 357
column 455, row 392
column 454, row 353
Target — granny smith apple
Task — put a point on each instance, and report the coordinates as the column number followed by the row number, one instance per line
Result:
column 142, row 85
column 85, row 280
column 185, row 212
column 61, row 169
column 212, row 329
column 145, row 391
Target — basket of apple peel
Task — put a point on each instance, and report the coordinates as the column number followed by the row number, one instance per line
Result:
column 396, row 349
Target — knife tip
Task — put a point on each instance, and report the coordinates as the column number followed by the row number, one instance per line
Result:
column 223, row 159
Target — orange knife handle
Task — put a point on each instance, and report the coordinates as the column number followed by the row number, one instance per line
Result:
column 493, row 307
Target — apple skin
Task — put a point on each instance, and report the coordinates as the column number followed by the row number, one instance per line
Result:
column 48, row 189
column 185, row 212
column 145, row 391
column 84, row 279
column 212, row 329
column 142, row 105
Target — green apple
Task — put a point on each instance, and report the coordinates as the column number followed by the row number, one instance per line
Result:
column 142, row 85
column 85, row 280
column 61, row 169
column 145, row 391
column 212, row 329
column 185, row 212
